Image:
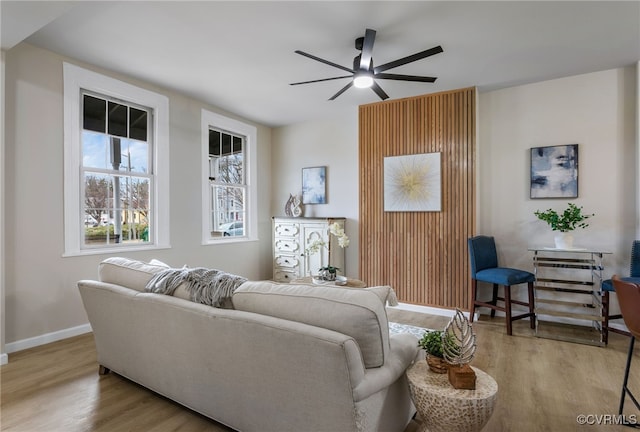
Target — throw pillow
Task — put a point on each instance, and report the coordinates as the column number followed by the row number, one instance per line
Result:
column 127, row 272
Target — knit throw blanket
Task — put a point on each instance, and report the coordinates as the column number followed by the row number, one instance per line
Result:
column 206, row 286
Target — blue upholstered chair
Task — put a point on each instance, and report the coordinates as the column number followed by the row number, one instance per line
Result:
column 484, row 268
column 629, row 298
column 607, row 288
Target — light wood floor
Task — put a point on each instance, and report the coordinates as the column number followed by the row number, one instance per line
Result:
column 543, row 385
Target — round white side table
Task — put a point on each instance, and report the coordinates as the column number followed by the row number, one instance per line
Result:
column 443, row 408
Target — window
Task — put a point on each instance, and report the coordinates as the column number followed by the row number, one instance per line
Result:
column 229, row 212
column 116, row 152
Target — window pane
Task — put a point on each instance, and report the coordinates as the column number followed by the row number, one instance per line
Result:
column 215, row 148
column 134, row 156
column 94, row 113
column 237, row 144
column 135, row 209
column 137, row 124
column 238, row 168
column 117, row 119
column 95, row 150
column 229, row 207
column 98, row 192
column 230, row 169
column 98, row 209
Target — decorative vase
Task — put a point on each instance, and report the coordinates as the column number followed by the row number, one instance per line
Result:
column 564, row 241
column 437, row 364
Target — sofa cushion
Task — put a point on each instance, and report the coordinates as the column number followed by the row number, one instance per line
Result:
column 381, row 291
column 355, row 312
column 128, row 272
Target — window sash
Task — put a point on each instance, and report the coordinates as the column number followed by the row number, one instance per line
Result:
column 77, row 82
column 122, row 211
column 223, row 137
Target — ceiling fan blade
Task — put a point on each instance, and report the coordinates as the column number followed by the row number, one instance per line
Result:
column 327, row 62
column 320, row 80
column 376, row 88
column 408, row 59
column 367, row 49
column 342, row 90
column 404, row 77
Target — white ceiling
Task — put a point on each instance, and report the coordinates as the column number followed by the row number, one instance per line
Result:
column 239, row 55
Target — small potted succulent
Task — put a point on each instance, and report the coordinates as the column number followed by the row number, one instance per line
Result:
column 570, row 219
column 432, row 343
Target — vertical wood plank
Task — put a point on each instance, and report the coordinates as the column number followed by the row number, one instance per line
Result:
column 423, row 255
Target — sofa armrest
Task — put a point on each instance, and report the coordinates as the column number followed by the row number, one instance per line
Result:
column 404, row 349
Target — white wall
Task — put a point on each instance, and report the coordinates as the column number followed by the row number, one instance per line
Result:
column 333, row 143
column 41, row 297
column 597, row 112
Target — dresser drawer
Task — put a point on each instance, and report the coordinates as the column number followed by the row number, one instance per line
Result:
column 280, row 275
column 287, row 261
column 287, row 245
column 287, row 229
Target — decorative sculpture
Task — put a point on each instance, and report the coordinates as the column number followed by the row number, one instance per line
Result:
column 292, row 206
column 459, row 351
column 296, row 210
column 287, row 206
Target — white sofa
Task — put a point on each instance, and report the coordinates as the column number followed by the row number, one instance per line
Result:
column 286, row 358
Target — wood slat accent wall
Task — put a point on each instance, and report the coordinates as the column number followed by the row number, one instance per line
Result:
column 422, row 255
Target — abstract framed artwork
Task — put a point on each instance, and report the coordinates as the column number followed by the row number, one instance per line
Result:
column 314, row 186
column 412, row 183
column 554, row 171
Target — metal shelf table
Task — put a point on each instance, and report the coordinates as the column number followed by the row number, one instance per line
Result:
column 568, row 294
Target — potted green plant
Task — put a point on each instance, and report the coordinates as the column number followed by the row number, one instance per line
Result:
column 328, row 273
column 567, row 221
column 432, row 342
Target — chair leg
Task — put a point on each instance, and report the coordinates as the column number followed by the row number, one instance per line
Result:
column 494, row 299
column 507, row 307
column 625, row 389
column 532, row 305
column 605, row 317
column 474, row 288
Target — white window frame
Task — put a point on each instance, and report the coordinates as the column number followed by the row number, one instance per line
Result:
column 217, row 121
column 75, row 80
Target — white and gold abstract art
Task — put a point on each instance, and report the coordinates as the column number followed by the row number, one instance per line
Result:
column 412, row 183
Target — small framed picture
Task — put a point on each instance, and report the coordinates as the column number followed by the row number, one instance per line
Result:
column 554, row 171
column 314, row 185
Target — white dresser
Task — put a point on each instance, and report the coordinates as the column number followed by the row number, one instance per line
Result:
column 291, row 236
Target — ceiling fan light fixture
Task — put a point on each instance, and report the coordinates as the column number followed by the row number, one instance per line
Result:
column 363, row 80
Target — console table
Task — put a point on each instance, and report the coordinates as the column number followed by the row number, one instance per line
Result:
column 350, row 283
column 443, row 408
column 568, row 294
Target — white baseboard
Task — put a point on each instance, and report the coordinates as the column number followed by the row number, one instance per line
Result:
column 46, row 338
column 4, row 359
column 429, row 310
column 450, row 313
